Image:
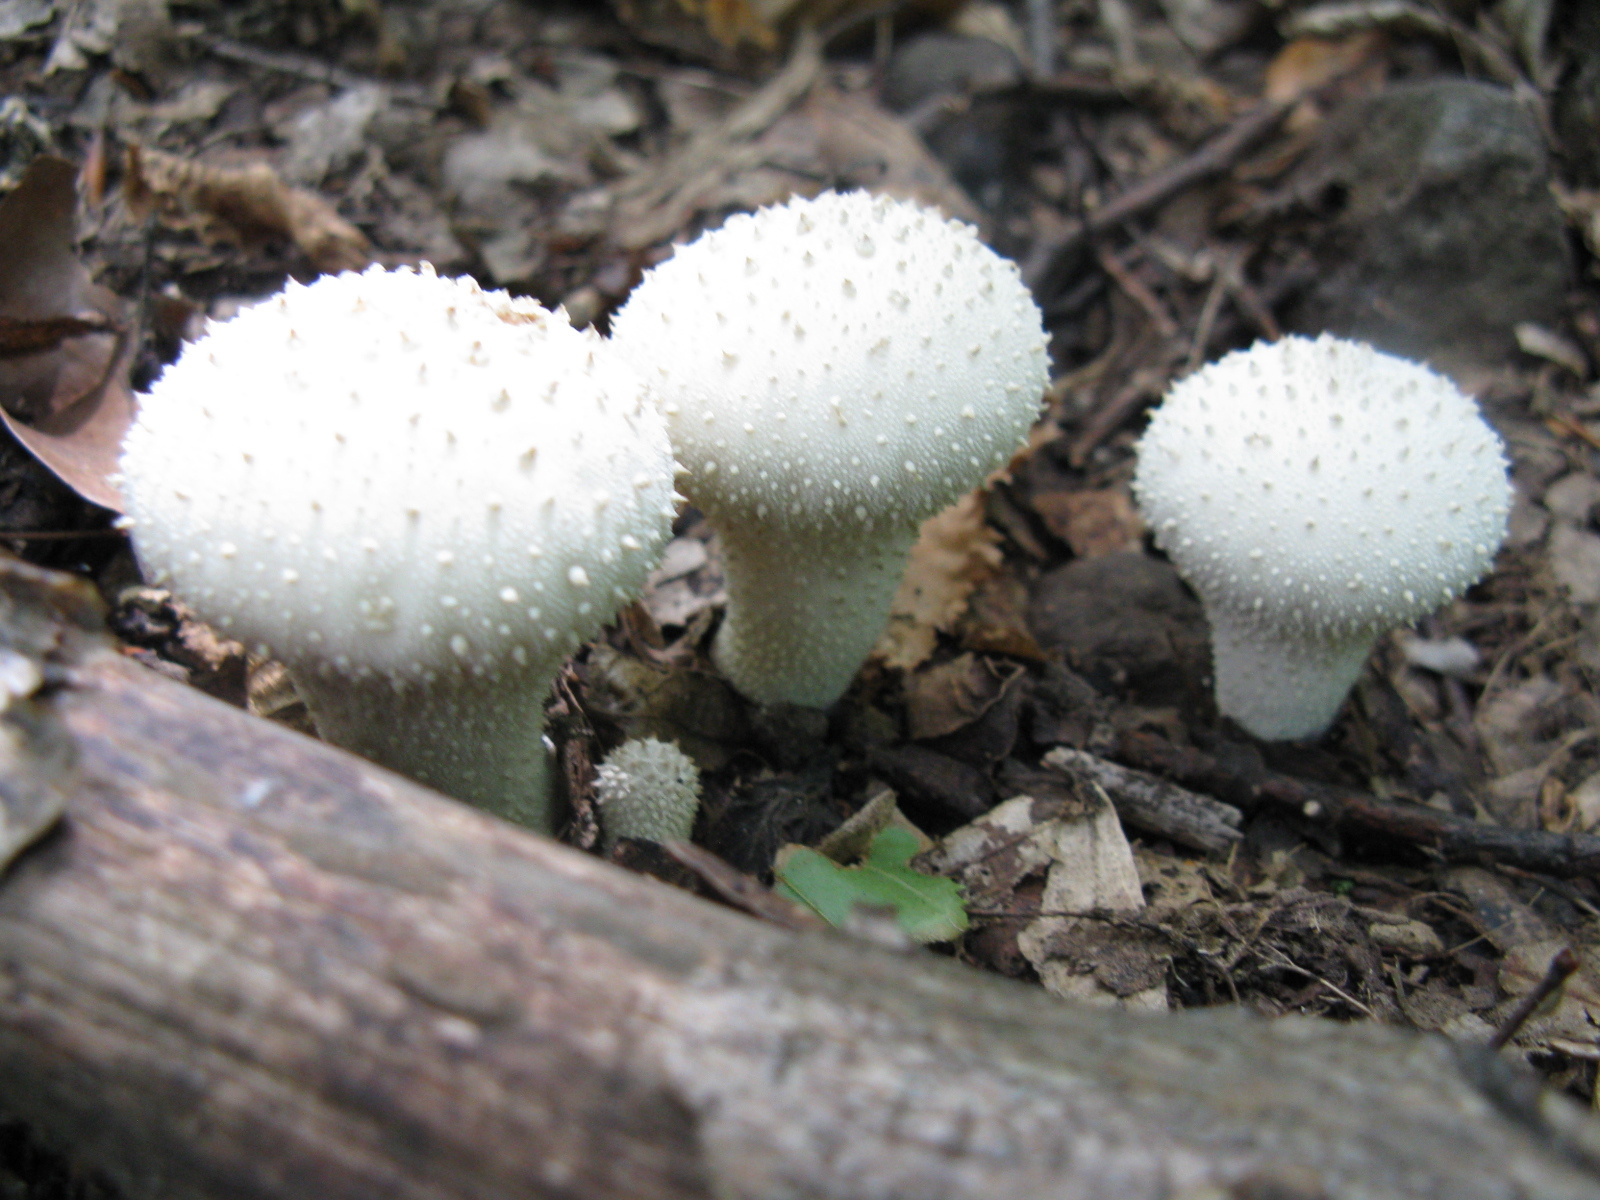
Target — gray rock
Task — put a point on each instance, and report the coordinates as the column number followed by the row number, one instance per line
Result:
column 1127, row 623
column 1446, row 236
column 935, row 64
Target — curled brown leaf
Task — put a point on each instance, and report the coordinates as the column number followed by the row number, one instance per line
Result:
column 64, row 347
column 249, row 203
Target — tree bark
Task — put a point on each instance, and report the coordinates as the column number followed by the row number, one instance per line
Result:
column 247, row 965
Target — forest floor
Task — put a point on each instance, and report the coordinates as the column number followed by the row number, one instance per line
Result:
column 1176, row 180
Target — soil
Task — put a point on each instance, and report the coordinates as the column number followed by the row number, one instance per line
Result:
column 1176, row 181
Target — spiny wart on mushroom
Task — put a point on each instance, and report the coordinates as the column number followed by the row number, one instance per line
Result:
column 833, row 371
column 419, row 495
column 1315, row 494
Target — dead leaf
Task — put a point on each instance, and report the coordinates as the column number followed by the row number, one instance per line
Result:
column 687, row 581
column 735, row 21
column 249, row 203
column 772, row 146
column 693, row 708
column 1582, row 208
column 63, row 367
column 1088, row 868
column 659, row 199
column 1093, row 523
column 952, row 695
column 996, row 619
column 851, row 841
column 993, row 855
column 859, row 143
column 954, row 553
column 1308, row 63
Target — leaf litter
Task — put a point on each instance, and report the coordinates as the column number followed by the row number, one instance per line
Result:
column 1168, row 184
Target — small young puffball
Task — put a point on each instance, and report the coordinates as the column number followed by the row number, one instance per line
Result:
column 1317, row 493
column 647, row 789
column 420, row 496
column 833, row 371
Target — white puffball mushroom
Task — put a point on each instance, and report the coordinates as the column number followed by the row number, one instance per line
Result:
column 420, row 496
column 833, row 371
column 1316, row 493
column 647, row 789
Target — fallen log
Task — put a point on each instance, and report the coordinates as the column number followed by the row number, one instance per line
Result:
column 243, row 964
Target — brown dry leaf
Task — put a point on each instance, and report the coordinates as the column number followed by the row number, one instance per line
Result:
column 63, row 366
column 773, row 146
column 994, row 855
column 944, row 698
column 954, row 553
column 659, row 199
column 734, row 21
column 1088, row 960
column 248, row 203
column 1528, row 941
column 1093, row 523
column 1308, row 62
column 673, row 703
column 859, row 143
column 996, row 620
column 1583, row 210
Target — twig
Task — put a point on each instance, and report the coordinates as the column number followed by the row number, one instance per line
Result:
column 1345, row 812
column 1282, row 961
column 1205, row 326
column 1146, row 384
column 1230, row 269
column 1041, row 38
column 1210, row 159
column 300, row 66
column 1149, row 802
column 1134, row 288
column 741, row 890
column 654, row 203
column 1561, row 969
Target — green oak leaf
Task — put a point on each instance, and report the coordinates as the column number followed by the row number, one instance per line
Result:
column 928, row 907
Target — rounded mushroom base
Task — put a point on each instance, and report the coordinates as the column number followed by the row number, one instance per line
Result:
column 1281, row 688
column 478, row 740
column 804, row 611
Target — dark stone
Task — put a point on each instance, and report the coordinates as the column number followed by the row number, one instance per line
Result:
column 1126, row 623
column 979, row 135
column 936, row 64
column 1446, row 235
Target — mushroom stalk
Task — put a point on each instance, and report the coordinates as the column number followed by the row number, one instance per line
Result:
column 804, row 612
column 1282, row 686
column 480, row 740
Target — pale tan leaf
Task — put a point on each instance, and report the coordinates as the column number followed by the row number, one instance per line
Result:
column 955, row 552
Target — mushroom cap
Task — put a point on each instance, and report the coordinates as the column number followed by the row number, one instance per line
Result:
column 647, row 789
column 396, row 473
column 852, row 357
column 1321, row 486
